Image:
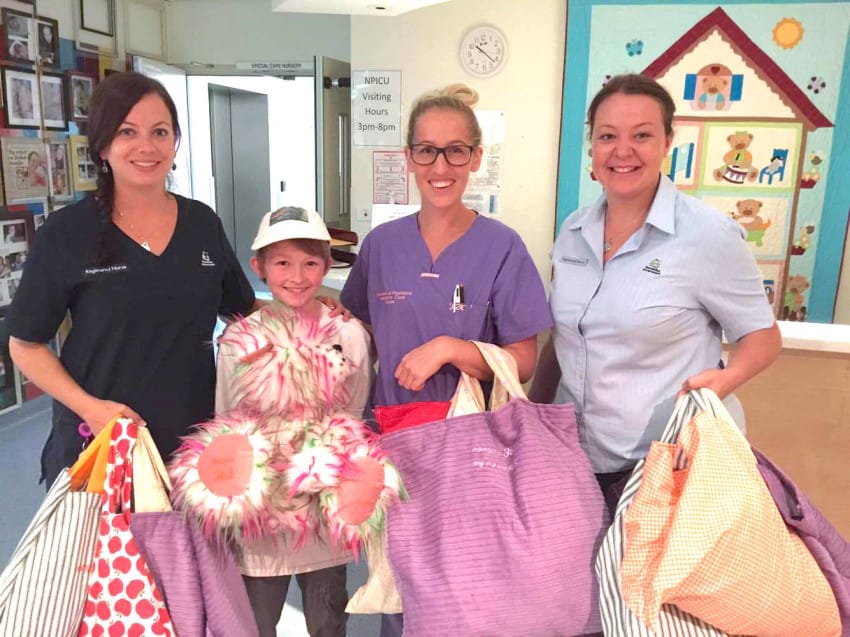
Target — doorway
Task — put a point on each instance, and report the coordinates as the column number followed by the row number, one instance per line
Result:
column 333, row 141
column 239, row 134
column 253, row 150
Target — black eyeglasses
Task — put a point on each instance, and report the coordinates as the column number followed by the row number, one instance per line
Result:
column 426, row 154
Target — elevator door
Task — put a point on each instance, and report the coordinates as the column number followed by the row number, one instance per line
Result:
column 239, row 132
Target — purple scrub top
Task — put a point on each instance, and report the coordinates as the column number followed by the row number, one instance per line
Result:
column 409, row 300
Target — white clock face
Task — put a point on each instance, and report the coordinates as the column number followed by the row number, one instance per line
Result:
column 483, row 51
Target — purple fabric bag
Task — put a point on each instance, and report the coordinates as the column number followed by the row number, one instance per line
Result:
column 502, row 527
column 203, row 589
column 830, row 550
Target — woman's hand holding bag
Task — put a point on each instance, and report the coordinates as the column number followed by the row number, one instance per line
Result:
column 503, row 520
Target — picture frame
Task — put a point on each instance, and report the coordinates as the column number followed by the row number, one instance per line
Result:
column 80, row 86
column 98, row 16
column 23, row 104
column 59, row 180
column 24, row 169
column 53, row 100
column 30, row 39
column 83, row 166
column 46, row 41
column 17, row 232
column 17, row 35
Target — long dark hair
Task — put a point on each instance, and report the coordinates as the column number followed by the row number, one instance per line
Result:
column 109, row 104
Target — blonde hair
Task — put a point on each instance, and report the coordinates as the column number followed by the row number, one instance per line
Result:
column 454, row 97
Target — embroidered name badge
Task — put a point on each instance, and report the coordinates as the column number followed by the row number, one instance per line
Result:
column 107, row 269
column 653, row 267
column 573, row 261
column 391, row 297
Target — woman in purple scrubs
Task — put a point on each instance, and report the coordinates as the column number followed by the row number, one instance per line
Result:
column 429, row 283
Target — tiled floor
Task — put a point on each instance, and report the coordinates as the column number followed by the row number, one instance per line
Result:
column 22, row 434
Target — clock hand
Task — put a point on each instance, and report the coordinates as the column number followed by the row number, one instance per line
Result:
column 485, row 54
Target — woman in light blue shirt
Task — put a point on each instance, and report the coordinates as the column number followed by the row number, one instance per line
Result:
column 644, row 282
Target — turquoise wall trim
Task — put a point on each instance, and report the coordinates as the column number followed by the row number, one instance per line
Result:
column 836, row 212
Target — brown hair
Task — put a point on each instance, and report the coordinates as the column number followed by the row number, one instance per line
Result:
column 634, row 84
column 109, row 104
column 454, row 97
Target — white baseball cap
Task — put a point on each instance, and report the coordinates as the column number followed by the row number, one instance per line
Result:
column 290, row 222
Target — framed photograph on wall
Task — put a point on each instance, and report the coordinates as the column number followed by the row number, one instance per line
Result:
column 23, row 108
column 17, row 36
column 80, row 87
column 58, row 163
column 47, row 40
column 24, row 168
column 83, row 166
column 98, row 16
column 16, row 234
column 53, row 99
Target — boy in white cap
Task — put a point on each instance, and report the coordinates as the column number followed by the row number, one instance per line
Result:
column 292, row 255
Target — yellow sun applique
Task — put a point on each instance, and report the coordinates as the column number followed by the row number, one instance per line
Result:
column 787, row 33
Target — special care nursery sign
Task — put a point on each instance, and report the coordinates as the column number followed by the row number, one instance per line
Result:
column 376, row 108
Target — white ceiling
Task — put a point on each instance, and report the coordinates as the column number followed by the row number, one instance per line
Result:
column 352, row 7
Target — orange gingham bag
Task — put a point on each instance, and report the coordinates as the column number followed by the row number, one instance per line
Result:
column 703, row 533
column 123, row 599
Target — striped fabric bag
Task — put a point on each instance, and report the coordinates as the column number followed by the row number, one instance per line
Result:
column 43, row 589
column 617, row 619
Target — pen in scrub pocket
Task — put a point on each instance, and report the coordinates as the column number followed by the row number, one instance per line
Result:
column 457, row 298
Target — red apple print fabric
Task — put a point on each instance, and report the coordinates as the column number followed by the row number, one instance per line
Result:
column 123, row 600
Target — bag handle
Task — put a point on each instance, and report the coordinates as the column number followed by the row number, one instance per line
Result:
column 469, row 398
column 89, row 470
column 151, row 484
column 710, row 402
column 118, row 491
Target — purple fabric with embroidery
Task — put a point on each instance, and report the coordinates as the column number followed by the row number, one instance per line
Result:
column 830, row 550
column 503, row 523
column 201, row 584
column 407, row 299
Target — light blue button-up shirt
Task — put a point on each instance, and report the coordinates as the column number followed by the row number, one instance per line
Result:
column 628, row 333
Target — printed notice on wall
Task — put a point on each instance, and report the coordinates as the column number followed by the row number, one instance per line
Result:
column 482, row 191
column 389, row 176
column 376, row 108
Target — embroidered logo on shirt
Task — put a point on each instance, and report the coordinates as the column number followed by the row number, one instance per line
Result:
column 206, row 261
column 653, row 267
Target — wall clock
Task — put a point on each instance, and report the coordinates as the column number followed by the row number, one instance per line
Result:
column 483, row 51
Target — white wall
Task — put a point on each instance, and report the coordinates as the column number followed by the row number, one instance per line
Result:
column 146, row 23
column 233, row 31
column 291, row 126
column 424, row 45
